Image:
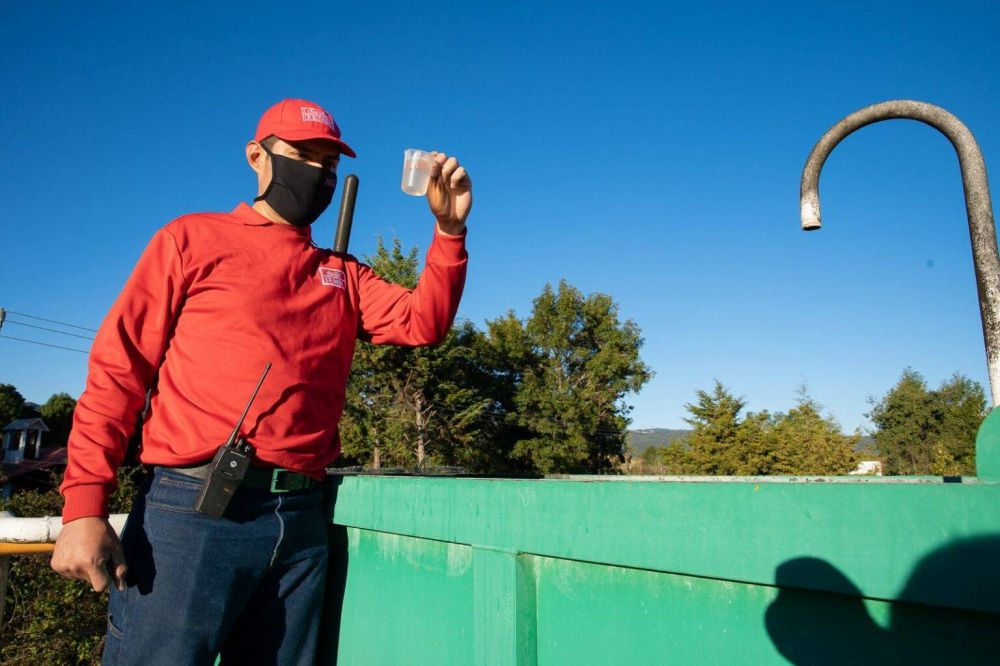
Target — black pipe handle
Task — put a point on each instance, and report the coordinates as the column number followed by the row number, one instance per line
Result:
column 346, row 218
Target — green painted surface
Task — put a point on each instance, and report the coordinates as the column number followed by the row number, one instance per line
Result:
column 504, row 607
column 405, row 601
column 988, row 447
column 478, row 571
column 595, row 614
column 875, row 534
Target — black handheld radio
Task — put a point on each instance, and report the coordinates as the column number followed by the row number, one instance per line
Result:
column 229, row 466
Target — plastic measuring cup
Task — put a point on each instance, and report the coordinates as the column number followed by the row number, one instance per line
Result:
column 416, row 171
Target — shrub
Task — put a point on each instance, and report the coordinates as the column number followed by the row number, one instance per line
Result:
column 49, row 619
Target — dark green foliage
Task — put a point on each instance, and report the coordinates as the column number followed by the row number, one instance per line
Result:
column 13, row 405
column 725, row 441
column 543, row 395
column 50, row 619
column 961, row 408
column 393, row 265
column 575, row 363
column 58, row 415
column 808, row 443
column 420, row 407
column 918, row 431
column 921, row 431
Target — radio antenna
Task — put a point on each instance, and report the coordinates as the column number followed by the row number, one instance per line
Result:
column 239, row 424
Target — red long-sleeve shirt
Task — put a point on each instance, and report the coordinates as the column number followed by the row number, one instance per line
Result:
column 213, row 298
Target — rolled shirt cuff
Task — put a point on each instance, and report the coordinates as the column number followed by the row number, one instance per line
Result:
column 84, row 501
column 448, row 248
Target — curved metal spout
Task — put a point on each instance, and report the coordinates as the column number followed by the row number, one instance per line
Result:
column 977, row 203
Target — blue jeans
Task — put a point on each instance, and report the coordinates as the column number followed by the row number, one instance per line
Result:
column 248, row 586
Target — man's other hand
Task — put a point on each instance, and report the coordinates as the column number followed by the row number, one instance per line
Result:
column 88, row 549
column 449, row 193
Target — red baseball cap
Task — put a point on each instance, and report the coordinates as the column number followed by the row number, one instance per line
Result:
column 298, row 120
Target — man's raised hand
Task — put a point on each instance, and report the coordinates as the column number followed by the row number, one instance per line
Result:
column 449, row 193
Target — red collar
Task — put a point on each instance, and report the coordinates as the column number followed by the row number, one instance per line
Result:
column 247, row 215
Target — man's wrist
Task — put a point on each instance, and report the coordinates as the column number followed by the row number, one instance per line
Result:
column 451, row 228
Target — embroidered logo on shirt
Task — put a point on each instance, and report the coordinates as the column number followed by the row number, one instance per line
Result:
column 333, row 277
column 313, row 115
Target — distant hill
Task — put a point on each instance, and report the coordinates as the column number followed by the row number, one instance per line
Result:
column 640, row 440
column 865, row 443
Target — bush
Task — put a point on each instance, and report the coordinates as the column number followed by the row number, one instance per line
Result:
column 49, row 619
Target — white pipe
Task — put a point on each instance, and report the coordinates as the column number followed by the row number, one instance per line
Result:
column 41, row 530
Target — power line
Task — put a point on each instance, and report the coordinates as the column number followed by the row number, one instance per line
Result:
column 52, row 321
column 52, row 330
column 44, row 344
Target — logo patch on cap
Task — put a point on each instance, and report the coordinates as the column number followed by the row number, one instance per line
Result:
column 313, row 115
column 333, row 277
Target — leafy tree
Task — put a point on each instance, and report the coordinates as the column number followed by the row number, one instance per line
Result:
column 505, row 353
column 920, row 431
column 12, row 404
column 415, row 407
column 904, row 421
column 541, row 395
column 578, row 361
column 960, row 407
column 58, row 414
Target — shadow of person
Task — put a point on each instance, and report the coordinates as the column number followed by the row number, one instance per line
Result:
column 136, row 546
column 822, row 627
column 336, row 580
column 932, row 623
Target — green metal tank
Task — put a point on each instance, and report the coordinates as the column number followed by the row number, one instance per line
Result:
column 685, row 570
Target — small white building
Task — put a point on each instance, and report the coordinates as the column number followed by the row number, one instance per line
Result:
column 22, row 439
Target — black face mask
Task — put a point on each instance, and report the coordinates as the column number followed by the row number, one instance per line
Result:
column 298, row 192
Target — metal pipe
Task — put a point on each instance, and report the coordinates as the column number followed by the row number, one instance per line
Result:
column 25, row 548
column 41, row 530
column 977, row 203
column 346, row 218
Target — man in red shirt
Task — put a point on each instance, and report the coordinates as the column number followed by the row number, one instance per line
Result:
column 213, row 299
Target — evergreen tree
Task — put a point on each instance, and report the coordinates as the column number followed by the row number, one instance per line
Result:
column 727, row 442
column 724, row 441
column 807, row 443
column 919, row 431
column 579, row 362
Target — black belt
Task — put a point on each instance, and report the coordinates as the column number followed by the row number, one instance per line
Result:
column 275, row 480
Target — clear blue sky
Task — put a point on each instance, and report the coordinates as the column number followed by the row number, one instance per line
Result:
column 651, row 151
